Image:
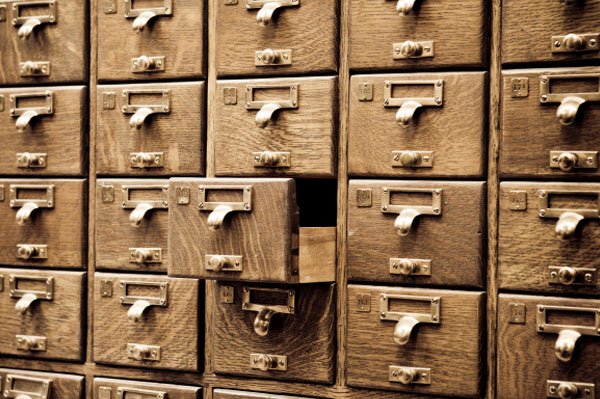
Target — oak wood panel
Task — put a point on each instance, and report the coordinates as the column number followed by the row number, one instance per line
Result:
column 311, row 141
column 528, row 244
column 179, row 133
column 453, row 349
column 307, row 337
column 231, row 394
column 131, row 389
column 309, row 30
column 454, row 241
column 115, row 234
column 526, row 358
column 179, row 38
column 64, row 44
column 60, row 319
column 64, row 386
column 455, row 131
column 530, row 129
column 62, row 227
column 61, row 135
column 173, row 327
column 527, row 39
column 375, row 26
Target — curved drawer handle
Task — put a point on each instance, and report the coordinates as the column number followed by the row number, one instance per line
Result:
column 408, row 213
column 136, row 311
column 137, row 215
column 565, row 345
column 28, row 296
column 567, row 110
column 409, row 105
column 262, row 321
column 219, row 210
column 142, row 207
column 25, row 302
column 403, row 329
column 141, row 21
column 404, row 221
column 406, row 322
column 265, row 114
column 27, row 28
column 404, row 7
column 139, row 117
column 24, row 119
column 570, row 103
column 139, row 304
column 568, row 219
column 406, row 113
column 265, row 14
column 567, row 225
column 24, row 213
column 217, row 216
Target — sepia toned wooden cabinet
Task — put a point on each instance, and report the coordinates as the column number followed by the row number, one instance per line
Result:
column 105, row 387
column 37, row 384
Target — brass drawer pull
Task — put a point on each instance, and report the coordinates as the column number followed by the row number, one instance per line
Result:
column 410, row 267
column 141, row 303
column 412, row 159
column 569, row 102
column 408, row 105
column 145, row 255
column 223, row 263
column 268, row 8
column 221, row 209
column 569, row 160
column 410, row 49
column 268, row 107
column 567, row 334
column 144, row 64
column 140, row 393
column 406, row 322
column 27, row 206
column 34, row 68
column 568, row 276
column 28, row 23
column 570, row 390
column 262, row 322
column 144, row 15
column 143, row 352
column 270, row 57
column 568, row 219
column 27, row 297
column 272, row 159
column 31, row 343
column 143, row 160
column 264, row 362
column 32, row 251
column 142, row 207
column 408, row 213
column 410, row 375
column 30, row 388
column 27, row 114
column 575, row 43
column 141, row 112
column 32, row 160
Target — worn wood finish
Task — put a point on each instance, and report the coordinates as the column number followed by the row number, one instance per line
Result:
column 309, row 31
column 526, row 358
column 115, row 234
column 173, row 327
column 232, row 394
column 375, row 26
column 307, row 337
column 62, row 227
column 61, row 135
column 105, row 386
column 528, row 243
column 526, row 39
column 311, row 141
column 455, row 131
column 60, row 319
column 179, row 134
column 179, row 38
column 453, row 241
column 451, row 349
column 65, row 386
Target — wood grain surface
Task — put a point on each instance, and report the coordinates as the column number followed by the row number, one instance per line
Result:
column 453, row 241
column 528, row 244
column 115, row 234
column 60, row 319
column 307, row 337
column 62, row 227
column 61, row 135
column 179, row 38
column 179, row 133
column 310, row 140
column 141, row 389
column 451, row 349
column 310, row 31
column 174, row 327
column 65, row 386
column 375, row 26
column 455, row 132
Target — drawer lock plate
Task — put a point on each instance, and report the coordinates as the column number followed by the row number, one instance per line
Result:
column 569, row 160
column 412, row 159
column 264, row 362
column 566, row 275
column 567, row 389
column 410, row 375
column 410, row 267
column 143, row 352
column 223, row 263
column 31, row 343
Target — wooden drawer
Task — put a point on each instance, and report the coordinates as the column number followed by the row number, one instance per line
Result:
column 211, row 221
column 543, row 246
column 395, row 234
column 147, row 321
column 168, row 45
column 545, row 132
column 534, row 31
column 425, row 124
column 42, row 314
column 132, row 225
column 104, row 388
column 44, row 222
column 416, row 340
column 53, row 51
column 301, row 36
column 35, row 384
column 275, row 332
column 150, row 129
column 43, row 130
column 253, row 138
column 530, row 329
column 380, row 37
column 231, row 394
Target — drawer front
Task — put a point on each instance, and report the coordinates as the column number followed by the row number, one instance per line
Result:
column 276, row 332
column 44, row 42
column 254, row 38
column 157, row 40
column 35, row 384
column 44, row 131
column 271, row 130
column 231, row 394
column 548, row 237
column 132, row 225
column 42, row 314
column 533, row 332
column 212, row 220
column 542, row 39
column 45, row 222
column 426, row 37
column 416, row 232
column 146, row 321
column 416, row 340
column 549, row 122
column 417, row 125
column 105, row 388
column 150, row 129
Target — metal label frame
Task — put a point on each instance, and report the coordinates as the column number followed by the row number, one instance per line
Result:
column 291, row 103
column 547, row 97
column 121, row 391
column 15, row 110
column 245, row 205
column 432, row 318
column 163, row 108
column 166, row 10
column 49, row 18
column 543, row 326
column 288, row 308
column 11, row 393
column 436, row 101
column 253, row 4
column 15, row 292
column 546, row 212
column 128, row 203
column 436, row 201
column 161, row 300
column 47, row 202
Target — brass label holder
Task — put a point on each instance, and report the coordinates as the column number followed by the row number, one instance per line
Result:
column 27, row 24
column 267, row 108
column 142, row 393
column 28, row 205
column 142, row 207
column 28, row 296
column 27, row 114
column 266, row 312
column 44, row 386
column 141, row 303
column 568, row 219
column 409, row 105
column 142, row 111
column 569, row 102
column 219, row 210
column 410, row 375
column 407, row 321
column 408, row 213
column 568, row 389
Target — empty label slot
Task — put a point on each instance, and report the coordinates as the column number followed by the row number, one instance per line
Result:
column 579, row 201
column 571, row 318
column 412, row 91
column 30, row 285
column 410, row 198
column 144, row 291
column 574, row 85
column 141, row 99
column 224, row 195
column 268, row 297
column 409, row 306
column 151, row 194
column 271, row 94
column 31, row 193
